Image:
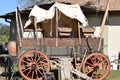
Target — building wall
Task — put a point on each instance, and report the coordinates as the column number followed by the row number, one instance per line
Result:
column 113, row 38
column 105, row 36
column 95, row 20
column 113, row 35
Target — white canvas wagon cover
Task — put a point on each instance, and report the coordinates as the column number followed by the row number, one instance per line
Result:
column 72, row 11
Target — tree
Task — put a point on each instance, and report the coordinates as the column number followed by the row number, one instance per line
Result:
column 4, row 32
column 27, row 3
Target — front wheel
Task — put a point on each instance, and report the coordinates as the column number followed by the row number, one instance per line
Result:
column 32, row 65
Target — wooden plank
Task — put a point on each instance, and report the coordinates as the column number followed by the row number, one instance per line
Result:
column 64, row 29
column 4, row 55
column 102, row 26
column 31, row 30
column 71, row 69
column 18, row 27
column 56, row 27
column 65, row 42
column 88, row 29
column 20, row 21
column 79, row 35
column 64, row 34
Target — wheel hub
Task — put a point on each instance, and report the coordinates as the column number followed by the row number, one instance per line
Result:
column 96, row 68
column 34, row 66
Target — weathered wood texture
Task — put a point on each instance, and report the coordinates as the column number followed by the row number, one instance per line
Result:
column 70, row 42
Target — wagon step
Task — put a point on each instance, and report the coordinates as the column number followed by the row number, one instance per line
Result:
column 75, row 71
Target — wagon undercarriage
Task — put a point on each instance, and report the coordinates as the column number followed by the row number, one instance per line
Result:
column 82, row 62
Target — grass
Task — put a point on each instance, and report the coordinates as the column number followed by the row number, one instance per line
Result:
column 114, row 75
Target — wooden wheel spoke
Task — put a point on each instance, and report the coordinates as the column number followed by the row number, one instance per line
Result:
column 92, row 65
column 36, row 73
column 26, row 69
column 103, row 60
column 46, row 64
column 92, row 76
column 38, row 58
column 39, row 71
column 103, row 70
column 98, row 61
column 103, row 66
column 25, row 61
column 35, row 57
column 94, row 59
column 90, row 71
column 43, row 64
column 32, row 74
column 43, row 61
column 43, row 68
column 38, row 62
column 96, row 75
column 24, row 66
column 31, row 57
column 91, row 61
column 28, row 73
column 102, row 63
column 105, row 63
column 101, row 73
column 98, row 71
column 28, row 59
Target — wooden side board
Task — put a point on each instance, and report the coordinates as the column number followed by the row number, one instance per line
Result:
column 51, row 42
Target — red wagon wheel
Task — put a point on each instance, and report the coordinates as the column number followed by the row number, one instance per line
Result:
column 32, row 64
column 96, row 66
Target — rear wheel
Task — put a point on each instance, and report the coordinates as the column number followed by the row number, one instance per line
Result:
column 96, row 66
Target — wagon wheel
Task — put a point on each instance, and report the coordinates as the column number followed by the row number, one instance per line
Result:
column 96, row 66
column 32, row 65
